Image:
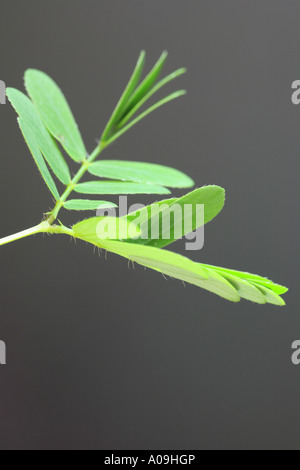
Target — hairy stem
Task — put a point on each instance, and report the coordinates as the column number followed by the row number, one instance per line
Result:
column 47, row 225
column 44, row 227
column 84, row 167
column 23, row 234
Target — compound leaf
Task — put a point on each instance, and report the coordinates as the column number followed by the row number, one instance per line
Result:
column 135, row 96
column 230, row 287
column 265, row 291
column 146, row 84
column 29, row 115
column 253, row 278
column 158, row 218
column 38, row 157
column 55, row 112
column 171, row 97
column 125, row 96
column 132, row 111
column 173, row 265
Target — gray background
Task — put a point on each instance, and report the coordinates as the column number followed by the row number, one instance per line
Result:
column 100, row 357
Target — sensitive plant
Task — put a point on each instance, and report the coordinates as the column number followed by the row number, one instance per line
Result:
column 50, row 131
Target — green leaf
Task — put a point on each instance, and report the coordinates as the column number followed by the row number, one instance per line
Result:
column 132, row 111
column 253, row 278
column 245, row 289
column 173, row 265
column 135, row 96
column 230, row 287
column 87, row 205
column 38, row 157
column 150, row 218
column 29, row 115
column 271, row 296
column 141, row 173
column 117, row 187
column 100, row 228
column 173, row 96
column 55, row 112
column 125, row 96
column 146, row 84
column 251, row 286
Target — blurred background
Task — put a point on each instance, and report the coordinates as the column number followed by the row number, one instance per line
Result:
column 100, row 357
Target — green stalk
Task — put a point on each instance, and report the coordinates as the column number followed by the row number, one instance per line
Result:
column 23, row 234
column 47, row 225
column 43, row 227
column 52, row 216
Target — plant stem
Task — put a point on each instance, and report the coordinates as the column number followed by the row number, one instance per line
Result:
column 47, row 225
column 59, row 204
column 43, row 227
column 23, row 234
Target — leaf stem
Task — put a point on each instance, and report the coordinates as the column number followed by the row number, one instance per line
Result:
column 47, row 225
column 52, row 216
column 43, row 227
column 23, row 234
